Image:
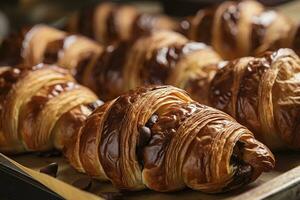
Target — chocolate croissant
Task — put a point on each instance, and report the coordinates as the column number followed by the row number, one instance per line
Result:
column 159, row 138
column 108, row 22
column 169, row 58
column 241, row 28
column 262, row 94
column 40, row 108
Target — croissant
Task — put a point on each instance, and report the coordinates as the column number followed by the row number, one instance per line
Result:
column 241, row 28
column 262, row 94
column 40, row 108
column 157, row 137
column 108, row 22
column 169, row 58
column 154, row 137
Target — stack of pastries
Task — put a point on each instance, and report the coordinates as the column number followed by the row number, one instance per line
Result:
column 149, row 134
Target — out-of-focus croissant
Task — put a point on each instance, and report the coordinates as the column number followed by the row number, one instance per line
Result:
column 262, row 94
column 169, row 58
column 108, row 22
column 243, row 28
column 40, row 108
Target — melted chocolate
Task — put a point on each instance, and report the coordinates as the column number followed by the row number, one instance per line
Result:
column 157, row 69
column 81, row 66
column 7, row 80
column 10, row 48
column 86, row 22
column 111, row 25
column 52, row 49
column 162, row 132
column 204, row 28
column 108, row 71
column 242, row 171
column 109, row 148
column 229, row 30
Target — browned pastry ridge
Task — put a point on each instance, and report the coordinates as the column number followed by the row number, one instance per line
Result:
column 108, row 22
column 243, row 28
column 169, row 58
column 262, row 94
column 40, row 108
column 159, row 138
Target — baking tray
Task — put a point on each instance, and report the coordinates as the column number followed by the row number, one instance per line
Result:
column 281, row 183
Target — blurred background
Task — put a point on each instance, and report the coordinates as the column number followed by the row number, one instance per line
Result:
column 17, row 13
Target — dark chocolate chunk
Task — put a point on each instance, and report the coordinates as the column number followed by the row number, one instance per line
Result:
column 83, row 183
column 51, row 169
column 153, row 119
column 145, row 135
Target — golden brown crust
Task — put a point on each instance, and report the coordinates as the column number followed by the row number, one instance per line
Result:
column 108, row 22
column 33, row 101
column 159, row 138
column 237, row 29
column 261, row 94
column 169, row 59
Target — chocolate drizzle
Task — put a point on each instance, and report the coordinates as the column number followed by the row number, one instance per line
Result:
column 7, row 79
column 157, row 69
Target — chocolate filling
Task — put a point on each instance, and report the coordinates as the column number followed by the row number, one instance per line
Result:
column 108, row 71
column 111, row 25
column 157, row 69
column 52, row 49
column 7, row 80
column 229, row 22
column 144, row 138
column 162, row 131
column 204, row 28
column 109, row 148
column 242, row 171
